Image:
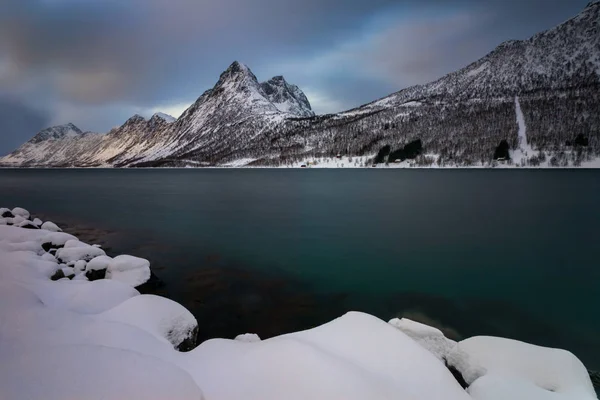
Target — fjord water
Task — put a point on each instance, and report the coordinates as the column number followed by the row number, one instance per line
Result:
column 513, row 253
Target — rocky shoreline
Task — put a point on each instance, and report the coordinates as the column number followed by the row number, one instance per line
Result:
column 60, row 278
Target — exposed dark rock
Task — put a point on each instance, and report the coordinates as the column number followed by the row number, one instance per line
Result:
column 95, row 275
column 190, row 343
column 457, row 375
column 30, row 225
column 502, row 151
column 7, row 214
column 595, row 377
column 50, row 246
column 58, row 275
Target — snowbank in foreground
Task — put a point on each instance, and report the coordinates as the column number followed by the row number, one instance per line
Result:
column 77, row 339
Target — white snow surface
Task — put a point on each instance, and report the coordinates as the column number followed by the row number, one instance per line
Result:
column 522, row 370
column 520, row 156
column 50, row 226
column 18, row 211
column 75, row 339
column 164, row 318
column 166, row 117
column 430, row 338
column 81, row 251
column 248, row 338
column 98, row 263
column 128, row 269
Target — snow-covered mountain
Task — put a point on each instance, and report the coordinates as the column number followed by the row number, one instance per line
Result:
column 534, row 102
column 56, row 132
column 286, row 97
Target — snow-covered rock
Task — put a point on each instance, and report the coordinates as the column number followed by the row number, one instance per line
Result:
column 18, row 219
column 77, row 253
column 80, row 265
column 56, row 239
column 98, row 263
column 37, row 222
column 162, row 317
column 75, row 339
column 75, row 243
column 354, row 357
column 50, row 226
column 497, row 367
column 48, row 257
column 430, row 338
column 21, row 212
column 6, row 213
column 248, row 338
column 27, row 225
column 134, row 271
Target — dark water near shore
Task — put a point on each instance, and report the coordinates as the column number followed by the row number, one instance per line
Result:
column 508, row 253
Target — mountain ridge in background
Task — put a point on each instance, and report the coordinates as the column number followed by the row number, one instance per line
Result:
column 531, row 103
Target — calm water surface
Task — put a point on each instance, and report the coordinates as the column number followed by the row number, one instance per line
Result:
column 511, row 253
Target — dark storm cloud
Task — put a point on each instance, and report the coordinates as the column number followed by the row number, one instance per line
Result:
column 16, row 118
column 91, row 61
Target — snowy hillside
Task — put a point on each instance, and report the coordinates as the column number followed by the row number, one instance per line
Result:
column 531, row 103
column 74, row 327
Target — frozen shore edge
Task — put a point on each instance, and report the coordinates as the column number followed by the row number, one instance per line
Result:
column 73, row 323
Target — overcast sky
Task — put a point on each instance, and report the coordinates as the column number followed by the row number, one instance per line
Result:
column 97, row 62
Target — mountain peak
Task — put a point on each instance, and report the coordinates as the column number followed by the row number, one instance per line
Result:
column 286, row 97
column 166, row 117
column 593, row 3
column 68, row 130
column 135, row 119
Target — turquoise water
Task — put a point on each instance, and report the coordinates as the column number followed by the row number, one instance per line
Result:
column 511, row 253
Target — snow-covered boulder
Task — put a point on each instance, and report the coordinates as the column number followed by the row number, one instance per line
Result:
column 50, row 226
column 69, row 272
column 355, row 357
column 48, row 257
column 96, row 268
column 18, row 219
column 497, row 367
column 77, row 253
column 37, row 222
column 80, row 265
column 75, row 243
column 27, row 225
column 134, row 271
column 248, row 338
column 430, row 338
column 18, row 211
column 3, row 221
column 85, row 297
column 55, row 240
column 161, row 317
column 6, row 213
column 81, row 277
